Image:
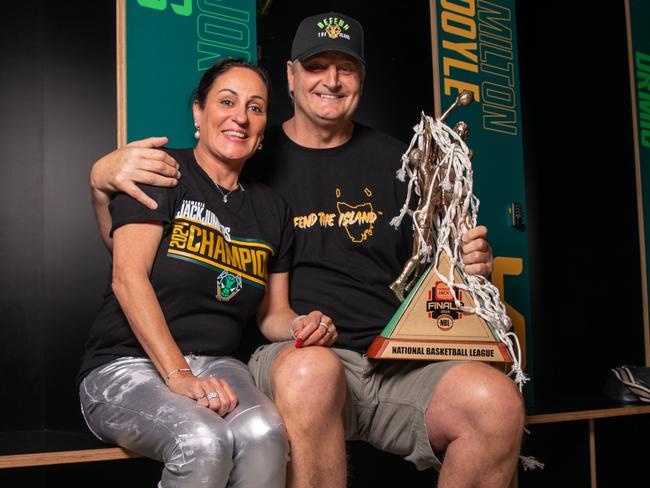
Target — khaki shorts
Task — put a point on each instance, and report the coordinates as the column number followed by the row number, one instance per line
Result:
column 386, row 401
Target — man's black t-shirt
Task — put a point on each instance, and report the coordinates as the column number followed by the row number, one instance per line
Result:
column 211, row 268
column 346, row 253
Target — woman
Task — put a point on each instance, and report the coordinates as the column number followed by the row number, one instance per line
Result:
column 157, row 376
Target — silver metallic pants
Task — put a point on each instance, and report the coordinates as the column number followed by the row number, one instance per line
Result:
column 126, row 402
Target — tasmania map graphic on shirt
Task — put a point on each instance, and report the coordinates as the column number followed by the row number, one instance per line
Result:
column 199, row 237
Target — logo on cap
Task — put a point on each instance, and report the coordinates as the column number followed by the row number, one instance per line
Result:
column 328, row 32
column 334, row 28
column 333, row 31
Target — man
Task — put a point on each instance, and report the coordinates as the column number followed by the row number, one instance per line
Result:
column 338, row 177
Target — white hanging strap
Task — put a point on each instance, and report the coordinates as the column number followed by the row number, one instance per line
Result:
column 530, row 463
column 405, row 171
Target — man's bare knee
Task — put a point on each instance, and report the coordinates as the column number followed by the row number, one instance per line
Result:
column 308, row 377
column 475, row 399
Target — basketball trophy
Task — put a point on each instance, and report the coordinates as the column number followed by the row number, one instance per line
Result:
column 445, row 314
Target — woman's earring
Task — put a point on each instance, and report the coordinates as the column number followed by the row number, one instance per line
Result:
column 197, row 133
column 259, row 147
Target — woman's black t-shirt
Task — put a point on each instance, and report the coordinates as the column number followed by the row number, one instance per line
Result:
column 211, row 268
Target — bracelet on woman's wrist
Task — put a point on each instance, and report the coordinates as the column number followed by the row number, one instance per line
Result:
column 176, row 371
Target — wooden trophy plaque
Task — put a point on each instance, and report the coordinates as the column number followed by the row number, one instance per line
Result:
column 429, row 326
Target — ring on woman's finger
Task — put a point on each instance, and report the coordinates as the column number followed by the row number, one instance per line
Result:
column 327, row 327
column 212, row 394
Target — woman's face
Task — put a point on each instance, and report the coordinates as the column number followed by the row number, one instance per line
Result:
column 233, row 118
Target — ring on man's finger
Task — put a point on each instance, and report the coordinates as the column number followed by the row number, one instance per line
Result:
column 327, row 328
column 211, row 395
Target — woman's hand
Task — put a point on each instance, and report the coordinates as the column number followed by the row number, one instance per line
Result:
column 214, row 393
column 315, row 329
column 278, row 321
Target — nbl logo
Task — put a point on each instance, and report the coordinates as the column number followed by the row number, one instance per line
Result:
column 441, row 306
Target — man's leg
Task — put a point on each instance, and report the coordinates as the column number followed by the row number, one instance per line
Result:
column 309, row 388
column 309, row 391
column 476, row 416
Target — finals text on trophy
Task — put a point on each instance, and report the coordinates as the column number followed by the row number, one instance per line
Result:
column 445, row 313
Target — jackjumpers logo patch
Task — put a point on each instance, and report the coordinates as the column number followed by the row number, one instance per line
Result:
column 441, row 306
column 228, row 285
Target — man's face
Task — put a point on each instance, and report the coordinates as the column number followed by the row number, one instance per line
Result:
column 326, row 87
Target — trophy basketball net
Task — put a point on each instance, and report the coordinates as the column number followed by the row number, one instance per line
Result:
column 446, row 314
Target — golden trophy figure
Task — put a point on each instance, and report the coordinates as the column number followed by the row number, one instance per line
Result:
column 445, row 314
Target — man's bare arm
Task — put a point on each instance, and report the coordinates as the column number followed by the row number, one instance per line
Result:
column 119, row 171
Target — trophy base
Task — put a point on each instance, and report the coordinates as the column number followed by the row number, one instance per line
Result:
column 387, row 348
column 429, row 326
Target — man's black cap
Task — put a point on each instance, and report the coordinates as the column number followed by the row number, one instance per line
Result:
column 331, row 31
